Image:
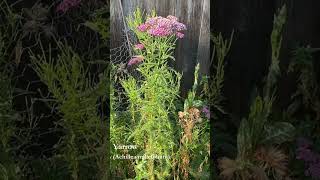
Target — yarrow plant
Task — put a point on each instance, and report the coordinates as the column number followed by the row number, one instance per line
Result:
column 156, row 124
column 152, row 95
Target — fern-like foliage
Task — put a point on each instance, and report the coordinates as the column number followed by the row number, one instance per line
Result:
column 214, row 90
column 77, row 95
column 120, row 121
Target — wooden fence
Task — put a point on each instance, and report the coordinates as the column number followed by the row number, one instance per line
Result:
column 195, row 47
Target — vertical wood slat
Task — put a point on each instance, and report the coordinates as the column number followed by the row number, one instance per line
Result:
column 190, row 50
column 204, row 41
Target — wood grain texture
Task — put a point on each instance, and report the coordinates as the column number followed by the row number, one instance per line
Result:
column 190, row 50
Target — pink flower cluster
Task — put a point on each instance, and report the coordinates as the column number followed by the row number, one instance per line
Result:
column 65, row 5
column 162, row 27
column 135, row 60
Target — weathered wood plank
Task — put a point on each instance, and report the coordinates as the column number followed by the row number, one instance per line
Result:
column 204, row 39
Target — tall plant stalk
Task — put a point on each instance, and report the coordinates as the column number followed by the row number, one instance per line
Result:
column 220, row 51
column 261, row 107
column 152, row 97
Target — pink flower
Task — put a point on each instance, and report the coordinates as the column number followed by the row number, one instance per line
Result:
column 135, row 60
column 179, row 35
column 160, row 32
column 153, row 21
column 65, row 5
column 139, row 46
column 165, row 23
column 180, row 26
column 143, row 27
column 162, row 27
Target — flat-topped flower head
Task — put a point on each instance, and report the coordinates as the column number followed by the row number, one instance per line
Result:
column 163, row 27
column 160, row 32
